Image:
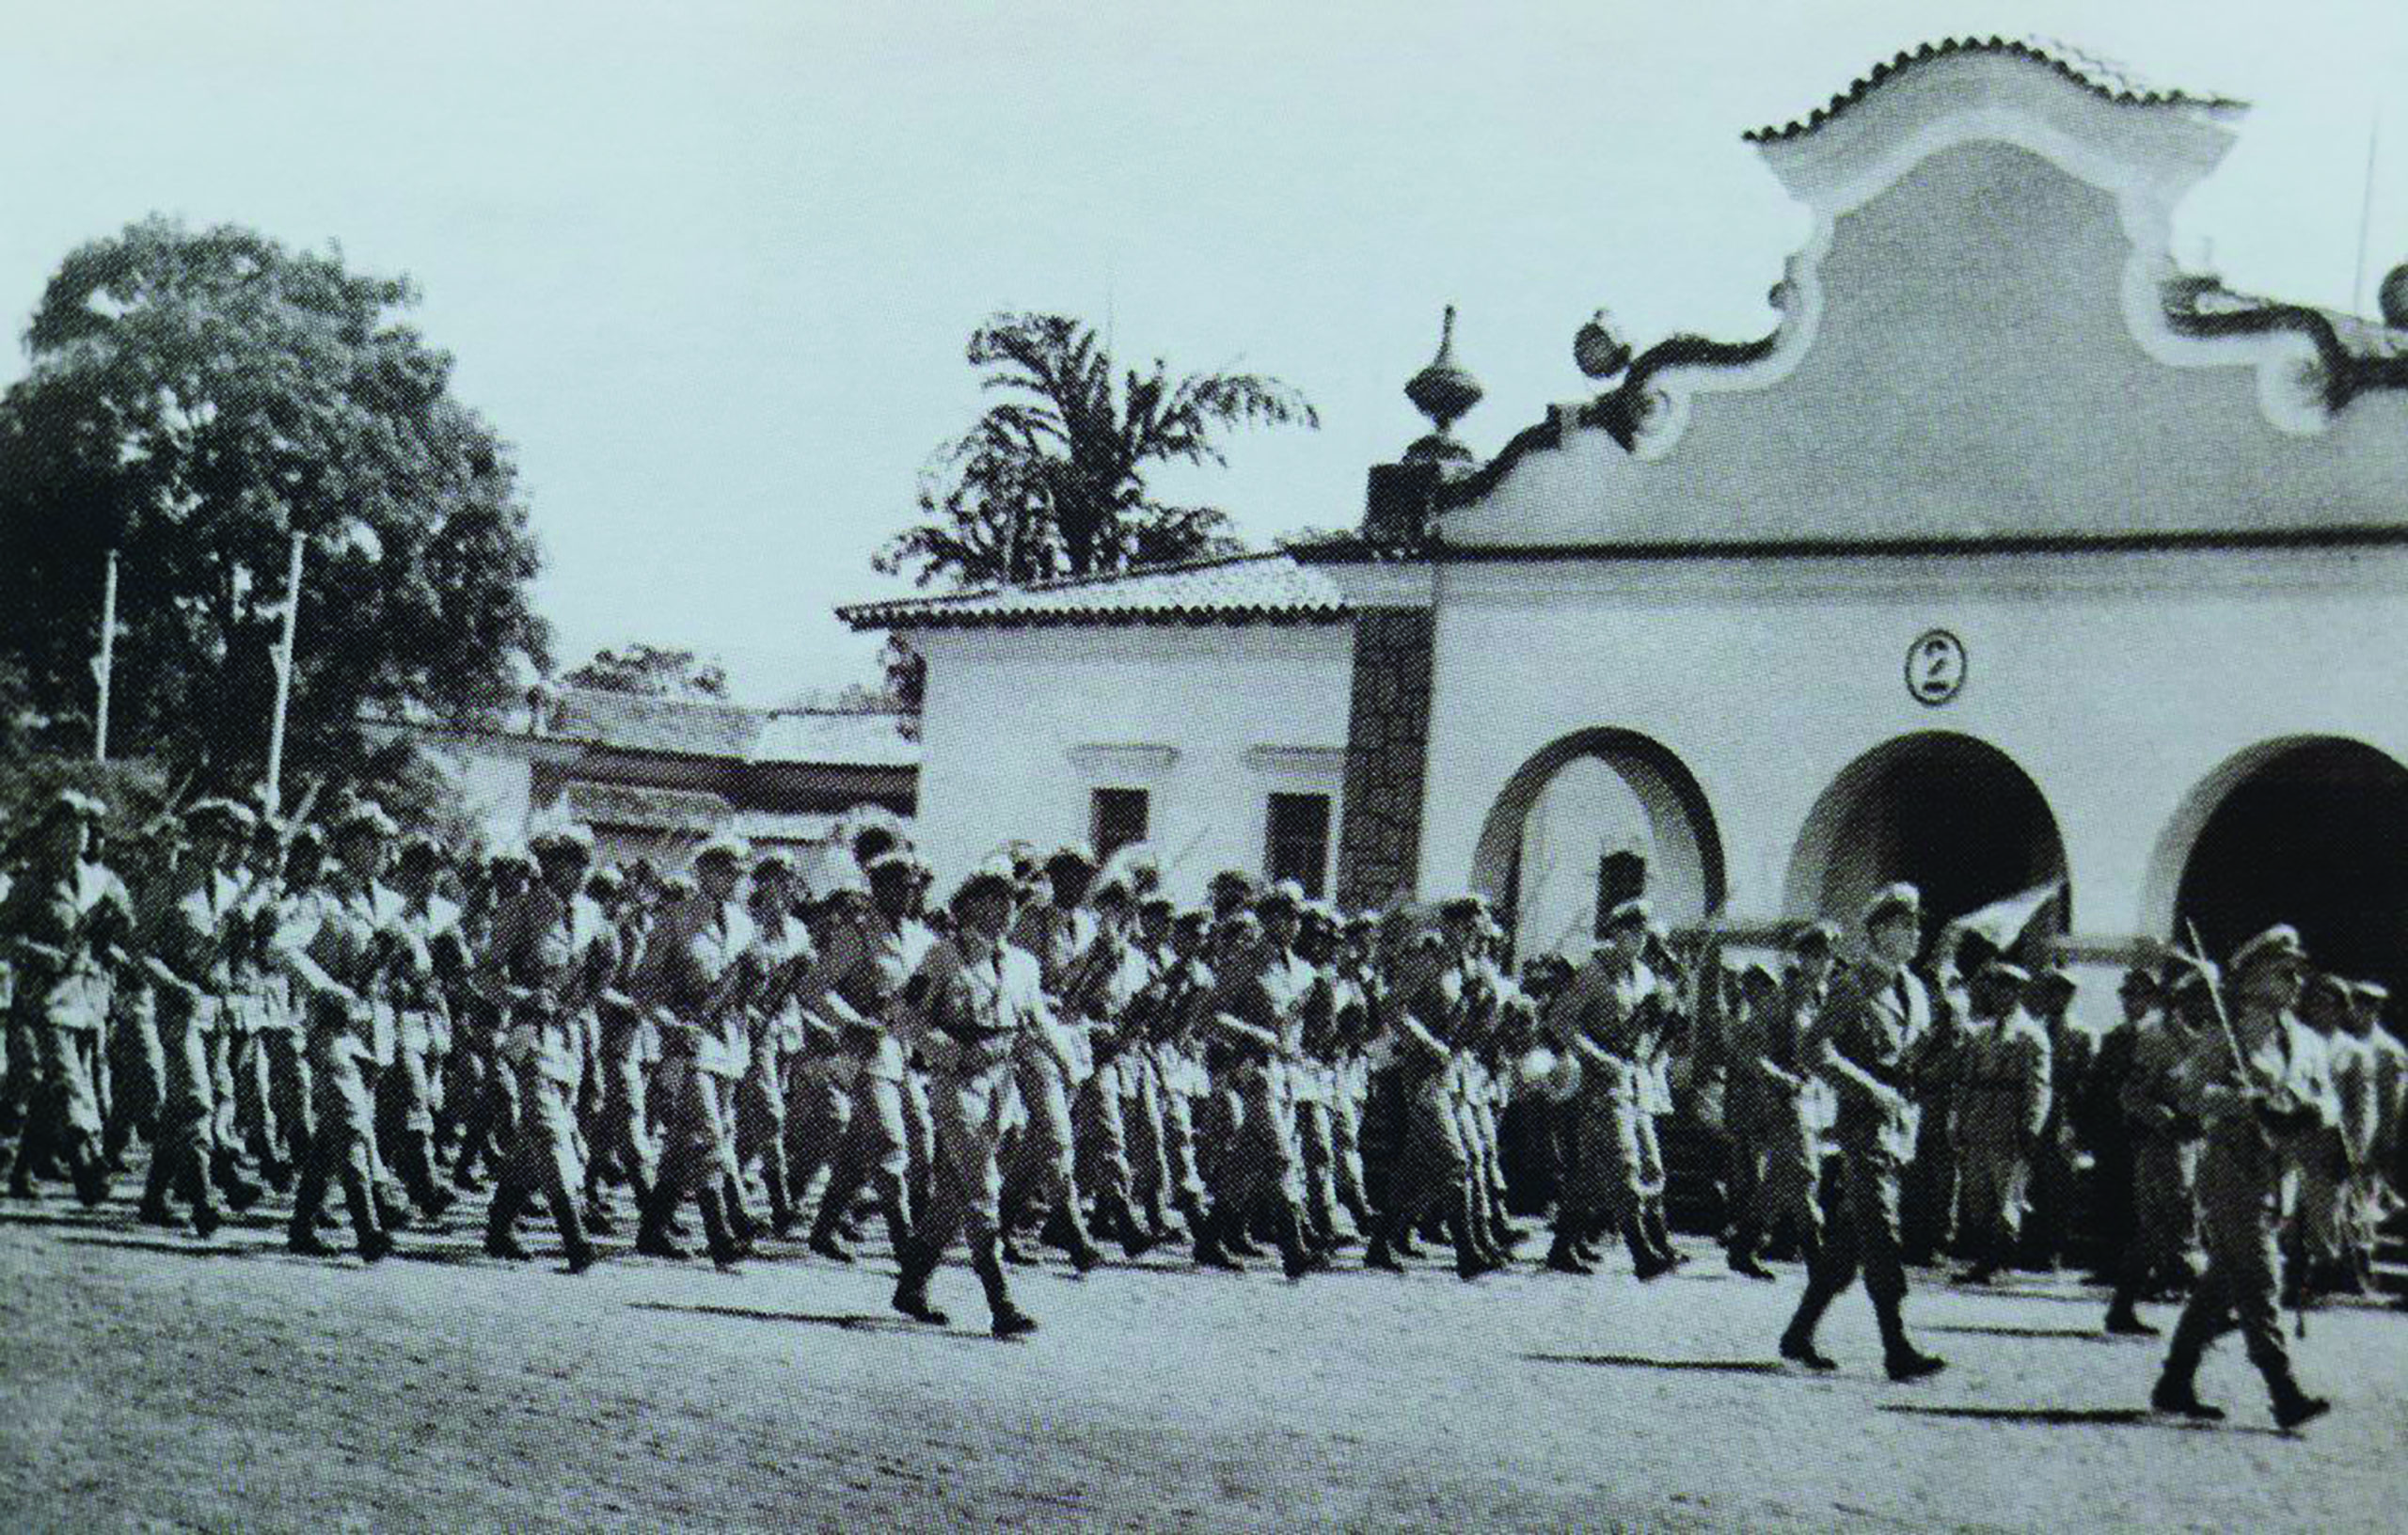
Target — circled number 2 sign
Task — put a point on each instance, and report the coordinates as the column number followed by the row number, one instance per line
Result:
column 1936, row 667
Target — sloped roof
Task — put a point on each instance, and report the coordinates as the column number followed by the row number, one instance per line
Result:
column 711, row 728
column 2100, row 77
column 1239, row 588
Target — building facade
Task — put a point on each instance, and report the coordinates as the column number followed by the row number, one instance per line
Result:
column 2015, row 556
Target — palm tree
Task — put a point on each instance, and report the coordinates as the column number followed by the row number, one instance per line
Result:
column 1051, row 481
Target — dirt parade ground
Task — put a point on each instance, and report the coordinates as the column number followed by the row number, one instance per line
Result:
column 155, row 1380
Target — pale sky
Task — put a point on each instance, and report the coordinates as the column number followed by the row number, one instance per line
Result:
column 710, row 266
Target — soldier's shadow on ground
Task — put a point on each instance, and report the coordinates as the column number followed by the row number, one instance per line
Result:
column 2079, row 1418
column 1634, row 1361
column 2087, row 1334
column 849, row 1321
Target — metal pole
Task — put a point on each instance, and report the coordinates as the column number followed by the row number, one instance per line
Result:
column 283, row 673
column 107, row 659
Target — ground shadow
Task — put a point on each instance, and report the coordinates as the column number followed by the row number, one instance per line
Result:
column 1633, row 1361
column 1976, row 1329
column 2077, row 1417
column 849, row 1321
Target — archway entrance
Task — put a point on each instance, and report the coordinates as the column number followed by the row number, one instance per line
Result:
column 1591, row 819
column 1950, row 813
column 2312, row 831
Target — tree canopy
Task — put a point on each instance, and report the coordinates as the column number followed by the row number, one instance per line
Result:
column 1052, row 480
column 652, row 670
column 193, row 398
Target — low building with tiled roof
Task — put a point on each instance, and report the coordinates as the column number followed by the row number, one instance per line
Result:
column 2015, row 560
column 657, row 775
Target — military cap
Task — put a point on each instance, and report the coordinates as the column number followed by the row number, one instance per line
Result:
column 986, row 879
column 227, row 816
column 1240, row 921
column 726, row 845
column 2002, row 972
column 2055, row 978
column 78, row 803
column 571, row 841
column 1230, row 879
column 1285, row 892
column 1634, row 912
column 679, row 887
column 892, row 860
column 1154, row 900
column 2187, row 971
column 1461, row 907
column 2280, row 942
column 872, row 843
column 1074, row 854
column 2372, row 992
column 1892, row 900
column 605, row 883
column 1116, row 889
column 1818, row 936
column 772, row 864
column 510, row 857
column 1322, row 912
column 1198, row 917
column 366, row 817
column 1760, row 973
column 419, row 848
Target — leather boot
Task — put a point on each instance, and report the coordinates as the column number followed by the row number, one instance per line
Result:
column 1295, row 1260
column 1561, row 1259
column 240, row 1193
column 723, row 1249
column 374, row 1242
column 301, row 1234
column 1471, row 1262
column 740, row 1223
column 773, row 1182
column 1211, row 1246
column 1899, row 1357
column 1645, row 1261
column 2294, row 1406
column 652, row 1233
column 1008, row 1321
column 153, row 1209
column 417, row 1176
column 911, row 1286
column 1797, row 1338
column 205, row 1219
column 1660, row 1236
column 501, row 1216
column 1118, row 1223
column 574, row 1246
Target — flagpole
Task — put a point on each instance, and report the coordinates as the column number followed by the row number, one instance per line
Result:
column 107, row 659
column 283, row 673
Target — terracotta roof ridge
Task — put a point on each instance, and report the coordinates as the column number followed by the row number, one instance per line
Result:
column 1064, row 583
column 2101, row 77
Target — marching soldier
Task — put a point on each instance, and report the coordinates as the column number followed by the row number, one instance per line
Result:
column 697, row 985
column 189, row 963
column 338, row 950
column 435, row 963
column 550, row 952
column 1774, row 1142
column 1098, row 998
column 870, row 950
column 60, row 921
column 1868, row 1043
column 1052, row 1061
column 2254, row 1088
column 1603, row 1017
column 1258, row 1009
column 2056, row 1195
column 1173, row 1006
column 781, row 956
column 975, row 995
column 1426, row 1011
column 2163, row 1136
column 2003, row 1106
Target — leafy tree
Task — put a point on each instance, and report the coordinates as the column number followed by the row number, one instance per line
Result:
column 194, row 398
column 650, row 669
column 1052, row 480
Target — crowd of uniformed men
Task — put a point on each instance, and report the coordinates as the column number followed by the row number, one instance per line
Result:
column 1060, row 1052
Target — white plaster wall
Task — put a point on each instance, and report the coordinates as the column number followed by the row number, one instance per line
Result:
column 1023, row 724
column 2118, row 682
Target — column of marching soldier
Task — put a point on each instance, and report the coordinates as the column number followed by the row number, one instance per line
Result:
column 1061, row 1048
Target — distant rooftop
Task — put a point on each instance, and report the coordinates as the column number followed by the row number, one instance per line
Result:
column 2100, row 76
column 711, row 728
column 1245, row 587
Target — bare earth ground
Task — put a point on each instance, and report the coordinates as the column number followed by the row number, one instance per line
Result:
column 152, row 1380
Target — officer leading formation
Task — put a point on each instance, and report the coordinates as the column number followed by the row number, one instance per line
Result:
column 1058, row 1054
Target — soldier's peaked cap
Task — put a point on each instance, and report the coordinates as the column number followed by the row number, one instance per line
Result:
column 1458, row 907
column 1892, row 900
column 726, row 845
column 2280, row 942
column 773, row 864
column 366, row 817
column 986, row 879
column 1199, row 917
column 1634, row 911
column 219, row 813
column 78, row 803
column 421, row 847
column 1070, row 855
column 571, row 841
column 893, row 861
column 1818, row 935
column 1286, row 893
column 2374, row 991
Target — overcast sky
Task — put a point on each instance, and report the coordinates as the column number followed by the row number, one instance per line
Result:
column 710, row 266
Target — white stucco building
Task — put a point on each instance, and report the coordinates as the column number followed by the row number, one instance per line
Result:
column 2014, row 554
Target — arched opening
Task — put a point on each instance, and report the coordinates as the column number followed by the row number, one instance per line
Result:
column 2311, row 831
column 1590, row 819
column 1952, row 814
